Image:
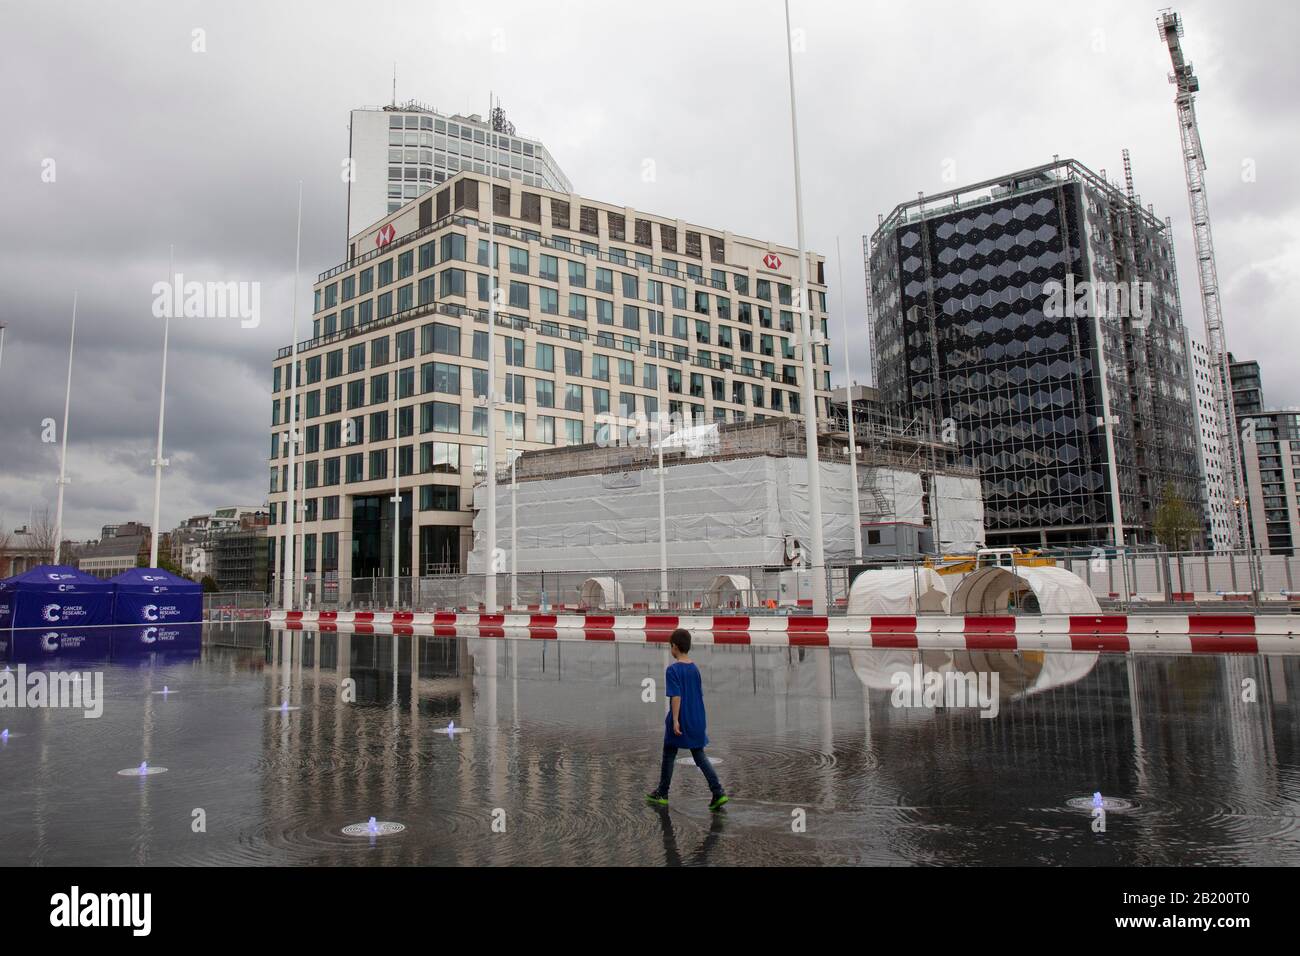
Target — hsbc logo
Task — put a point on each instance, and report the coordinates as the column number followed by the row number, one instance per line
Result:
column 385, row 235
column 772, row 261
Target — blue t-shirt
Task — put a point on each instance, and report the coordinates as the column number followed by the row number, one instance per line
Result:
column 683, row 680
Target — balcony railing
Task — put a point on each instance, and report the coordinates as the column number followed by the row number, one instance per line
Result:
column 560, row 244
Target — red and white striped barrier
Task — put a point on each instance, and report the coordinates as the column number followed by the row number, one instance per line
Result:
column 1118, row 633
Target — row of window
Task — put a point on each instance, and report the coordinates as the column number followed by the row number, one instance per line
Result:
column 446, row 417
column 445, row 340
column 452, row 459
column 634, row 319
column 452, row 247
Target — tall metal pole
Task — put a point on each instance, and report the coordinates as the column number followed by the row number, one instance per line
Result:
column 158, row 461
column 63, row 451
column 2, row 344
column 397, row 520
column 490, row 571
column 663, row 521
column 288, row 589
column 848, row 388
column 818, row 564
column 514, row 523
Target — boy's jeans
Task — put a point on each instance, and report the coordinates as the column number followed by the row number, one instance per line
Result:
column 701, row 761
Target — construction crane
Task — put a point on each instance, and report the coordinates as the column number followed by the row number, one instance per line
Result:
column 1170, row 25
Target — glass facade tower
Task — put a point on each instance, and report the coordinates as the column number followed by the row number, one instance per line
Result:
column 1035, row 320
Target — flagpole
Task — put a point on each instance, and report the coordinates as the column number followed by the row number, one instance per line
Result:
column 818, row 564
column 63, row 452
column 288, row 588
column 490, row 572
column 159, row 462
column 848, row 389
column 2, row 344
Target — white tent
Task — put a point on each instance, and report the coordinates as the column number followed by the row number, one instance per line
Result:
column 602, row 593
column 1055, row 590
column 730, row 590
column 898, row 591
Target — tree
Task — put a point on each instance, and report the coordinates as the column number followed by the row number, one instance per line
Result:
column 1177, row 524
column 42, row 534
column 210, row 584
column 5, row 569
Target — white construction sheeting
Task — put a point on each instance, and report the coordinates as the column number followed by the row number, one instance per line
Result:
column 895, row 591
column 989, row 591
column 961, row 513
column 901, row 491
column 720, row 513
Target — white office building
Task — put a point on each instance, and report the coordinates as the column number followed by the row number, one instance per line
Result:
column 400, row 152
column 1215, row 494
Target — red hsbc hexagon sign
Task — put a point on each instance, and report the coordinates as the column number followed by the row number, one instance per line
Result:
column 385, row 235
column 772, row 261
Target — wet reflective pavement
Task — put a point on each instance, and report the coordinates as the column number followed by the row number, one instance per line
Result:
column 558, row 745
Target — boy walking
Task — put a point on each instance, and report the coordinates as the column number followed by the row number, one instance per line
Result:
column 684, row 724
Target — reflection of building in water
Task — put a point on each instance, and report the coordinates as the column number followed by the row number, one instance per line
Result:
column 557, row 730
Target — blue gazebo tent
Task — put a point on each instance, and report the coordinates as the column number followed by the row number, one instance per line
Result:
column 54, row 596
column 52, row 610
column 152, row 596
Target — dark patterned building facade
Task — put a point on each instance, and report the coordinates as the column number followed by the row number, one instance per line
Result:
column 1077, row 410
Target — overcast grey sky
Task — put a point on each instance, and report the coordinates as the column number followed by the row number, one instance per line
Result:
column 155, row 144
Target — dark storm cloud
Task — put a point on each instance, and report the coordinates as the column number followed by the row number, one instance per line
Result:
column 678, row 109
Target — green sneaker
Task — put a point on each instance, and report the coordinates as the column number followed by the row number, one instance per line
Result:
column 655, row 798
column 717, row 802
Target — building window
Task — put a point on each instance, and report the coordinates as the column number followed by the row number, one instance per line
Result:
column 439, row 498
column 440, row 338
column 452, row 282
column 355, row 464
